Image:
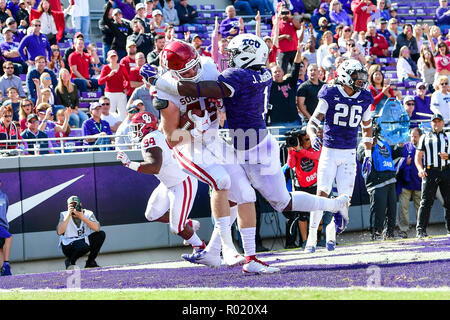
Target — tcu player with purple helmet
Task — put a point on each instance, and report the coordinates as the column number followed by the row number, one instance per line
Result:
column 244, row 87
column 171, row 202
column 342, row 106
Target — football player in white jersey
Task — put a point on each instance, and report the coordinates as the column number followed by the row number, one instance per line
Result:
column 172, row 201
column 244, row 87
column 342, row 106
column 204, row 155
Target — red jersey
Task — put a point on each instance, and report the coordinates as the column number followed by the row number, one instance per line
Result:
column 361, row 15
column 128, row 63
column 305, row 163
column 286, row 27
column 82, row 62
column 118, row 82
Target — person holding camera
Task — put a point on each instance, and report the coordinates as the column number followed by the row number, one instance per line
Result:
column 305, row 160
column 79, row 233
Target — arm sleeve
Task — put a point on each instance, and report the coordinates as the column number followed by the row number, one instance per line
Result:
column 294, row 75
column 420, row 145
column 22, row 45
column 103, row 75
column 322, row 106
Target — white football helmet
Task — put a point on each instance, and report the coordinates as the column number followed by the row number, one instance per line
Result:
column 349, row 72
column 247, row 51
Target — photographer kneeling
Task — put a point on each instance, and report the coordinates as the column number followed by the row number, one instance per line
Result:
column 305, row 160
column 79, row 233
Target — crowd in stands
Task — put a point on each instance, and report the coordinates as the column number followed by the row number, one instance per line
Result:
column 54, row 84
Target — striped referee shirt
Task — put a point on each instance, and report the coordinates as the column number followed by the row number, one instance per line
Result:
column 432, row 144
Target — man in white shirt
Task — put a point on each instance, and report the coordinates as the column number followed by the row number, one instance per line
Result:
column 112, row 118
column 79, row 11
column 122, row 132
column 440, row 99
column 79, row 233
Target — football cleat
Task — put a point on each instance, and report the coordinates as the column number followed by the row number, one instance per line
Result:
column 340, row 221
column 331, row 245
column 310, row 249
column 203, row 257
column 232, row 258
column 6, row 270
column 259, row 267
column 195, row 225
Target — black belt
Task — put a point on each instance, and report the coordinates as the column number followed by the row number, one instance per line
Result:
column 439, row 168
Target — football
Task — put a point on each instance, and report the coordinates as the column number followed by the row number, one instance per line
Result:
column 185, row 122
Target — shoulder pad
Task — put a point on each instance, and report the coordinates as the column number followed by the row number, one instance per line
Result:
column 160, row 104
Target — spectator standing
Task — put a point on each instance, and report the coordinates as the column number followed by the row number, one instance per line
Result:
column 33, row 132
column 129, row 61
column 9, row 79
column 406, row 67
column 36, row 73
column 442, row 60
column 80, row 233
column 122, row 131
column 107, row 34
column 273, row 50
column 127, row 8
column 307, row 92
column 144, row 41
column 197, row 43
column 67, row 93
column 327, row 40
column 287, row 39
column 62, row 120
column 426, row 66
column 116, row 78
column 5, row 13
column 342, row 40
column 305, row 160
column 406, row 38
column 418, row 34
column 361, row 14
column 433, row 165
column 422, row 102
column 26, row 108
column 243, row 6
column 8, row 129
column 283, row 96
column 111, row 117
column 186, row 13
column 338, row 15
column 153, row 57
column 310, row 51
column 81, row 20
column 5, row 236
column 328, row 61
column 380, row 184
column 393, row 28
column 96, row 129
column 79, row 62
column 119, row 29
column 36, row 45
column 380, row 89
column 443, row 15
column 141, row 15
column 218, row 48
column 135, row 78
column 440, row 99
column 170, row 14
column 52, row 22
column 408, row 182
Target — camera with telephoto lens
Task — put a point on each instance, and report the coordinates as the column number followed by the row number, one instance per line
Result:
column 293, row 137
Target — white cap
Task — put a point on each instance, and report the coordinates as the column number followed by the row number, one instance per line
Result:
column 371, row 24
column 155, row 12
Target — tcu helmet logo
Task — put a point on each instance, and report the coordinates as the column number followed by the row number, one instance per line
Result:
column 251, row 42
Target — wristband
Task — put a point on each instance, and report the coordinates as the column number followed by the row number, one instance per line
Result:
column 367, row 139
column 367, row 153
column 134, row 166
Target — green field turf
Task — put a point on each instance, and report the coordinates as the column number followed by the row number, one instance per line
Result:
column 232, row 294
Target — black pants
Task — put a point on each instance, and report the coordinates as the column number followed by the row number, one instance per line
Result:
column 383, row 209
column 79, row 248
column 435, row 178
column 286, row 60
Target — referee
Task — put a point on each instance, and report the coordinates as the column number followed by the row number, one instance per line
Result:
column 433, row 165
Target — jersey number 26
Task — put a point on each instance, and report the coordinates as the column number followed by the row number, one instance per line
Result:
column 342, row 118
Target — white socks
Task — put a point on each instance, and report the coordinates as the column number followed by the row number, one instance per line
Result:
column 194, row 241
column 314, row 222
column 248, row 236
column 305, row 202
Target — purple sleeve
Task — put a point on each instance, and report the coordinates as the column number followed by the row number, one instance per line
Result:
column 234, row 77
column 323, row 92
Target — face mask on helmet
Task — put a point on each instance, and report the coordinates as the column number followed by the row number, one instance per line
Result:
column 135, row 133
column 359, row 80
column 192, row 71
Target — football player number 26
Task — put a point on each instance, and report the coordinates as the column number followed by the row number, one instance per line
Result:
column 342, row 118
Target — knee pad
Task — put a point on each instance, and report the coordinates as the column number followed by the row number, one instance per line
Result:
column 224, row 183
column 153, row 214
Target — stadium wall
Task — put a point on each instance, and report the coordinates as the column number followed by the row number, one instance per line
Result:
column 38, row 187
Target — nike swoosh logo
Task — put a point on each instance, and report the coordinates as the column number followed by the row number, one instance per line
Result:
column 19, row 208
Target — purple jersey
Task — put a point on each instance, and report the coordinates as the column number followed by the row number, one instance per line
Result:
column 247, row 106
column 343, row 114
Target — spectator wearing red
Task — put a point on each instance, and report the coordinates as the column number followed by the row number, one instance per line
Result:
column 442, row 59
column 378, row 45
column 129, row 61
column 273, row 50
column 79, row 62
column 361, row 14
column 380, row 89
column 51, row 21
column 8, row 129
column 116, row 79
column 135, row 78
column 287, row 44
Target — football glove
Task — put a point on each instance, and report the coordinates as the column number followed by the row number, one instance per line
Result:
column 122, row 157
column 317, row 143
column 148, row 71
column 201, row 124
column 367, row 166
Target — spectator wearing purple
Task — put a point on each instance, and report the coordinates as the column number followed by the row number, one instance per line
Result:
column 36, row 44
column 338, row 15
column 321, row 12
column 347, row 6
column 96, row 128
column 382, row 11
column 443, row 15
column 13, row 6
column 409, row 184
column 383, row 30
column 230, row 25
column 18, row 34
column 422, row 102
column 298, row 7
column 10, row 52
column 127, row 7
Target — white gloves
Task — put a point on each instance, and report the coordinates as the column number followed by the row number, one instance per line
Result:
column 201, row 124
column 122, row 156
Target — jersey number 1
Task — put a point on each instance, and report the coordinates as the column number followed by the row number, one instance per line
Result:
column 340, row 117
